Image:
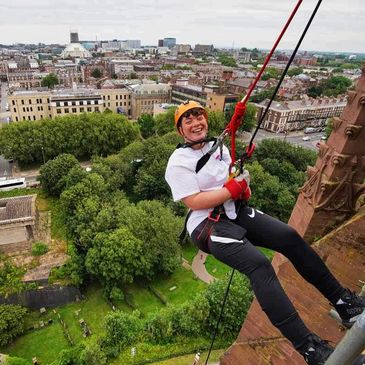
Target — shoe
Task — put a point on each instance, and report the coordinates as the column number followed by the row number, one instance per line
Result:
column 317, row 350
column 349, row 307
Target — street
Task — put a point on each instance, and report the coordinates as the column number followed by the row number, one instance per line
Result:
column 295, row 138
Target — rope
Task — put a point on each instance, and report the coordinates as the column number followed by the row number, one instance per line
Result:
column 250, row 144
column 220, row 316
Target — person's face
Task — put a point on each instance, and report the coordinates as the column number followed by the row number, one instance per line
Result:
column 194, row 126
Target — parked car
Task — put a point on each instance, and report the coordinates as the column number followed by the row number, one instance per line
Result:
column 306, row 138
column 323, row 138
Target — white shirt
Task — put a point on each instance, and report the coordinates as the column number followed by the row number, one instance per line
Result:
column 184, row 181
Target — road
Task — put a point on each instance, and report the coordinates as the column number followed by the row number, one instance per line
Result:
column 295, row 138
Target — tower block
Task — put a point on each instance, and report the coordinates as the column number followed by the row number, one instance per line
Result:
column 335, row 183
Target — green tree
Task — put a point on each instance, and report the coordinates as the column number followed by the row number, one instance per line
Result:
column 92, row 354
column 295, row 71
column 11, row 322
column 236, row 308
column 262, row 95
column 157, row 229
column 53, row 173
column 227, row 60
column 81, row 135
column 50, row 81
column 146, row 124
column 268, row 194
column 96, row 73
column 282, row 151
column 11, row 278
column 164, row 122
column 16, row 361
column 116, row 257
column 122, row 329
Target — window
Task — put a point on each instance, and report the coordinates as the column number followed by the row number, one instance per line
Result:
column 31, row 109
column 30, row 101
column 22, row 102
column 89, row 109
column 74, row 110
column 81, row 110
column 29, row 117
column 97, row 109
column 116, row 97
column 58, row 103
column 16, row 119
column 33, row 117
column 58, row 111
column 66, row 110
column 27, row 109
column 73, row 103
column 14, row 110
column 125, row 96
column 13, row 102
column 88, row 102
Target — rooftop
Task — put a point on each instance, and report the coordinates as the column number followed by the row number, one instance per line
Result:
column 17, row 208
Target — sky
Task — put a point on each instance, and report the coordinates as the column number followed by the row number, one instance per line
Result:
column 339, row 25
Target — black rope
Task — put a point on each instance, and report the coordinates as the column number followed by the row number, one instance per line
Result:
column 250, row 144
column 220, row 316
column 286, row 70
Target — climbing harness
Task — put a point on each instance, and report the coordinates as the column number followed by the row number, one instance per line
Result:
column 240, row 108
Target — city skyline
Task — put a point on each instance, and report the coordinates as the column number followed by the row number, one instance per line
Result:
column 338, row 26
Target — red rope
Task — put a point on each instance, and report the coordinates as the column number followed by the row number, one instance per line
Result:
column 240, row 108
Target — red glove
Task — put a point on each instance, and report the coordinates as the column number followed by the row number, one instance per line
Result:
column 239, row 112
column 236, row 188
column 246, row 195
column 250, row 149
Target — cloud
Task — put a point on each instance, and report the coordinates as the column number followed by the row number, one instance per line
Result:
column 338, row 24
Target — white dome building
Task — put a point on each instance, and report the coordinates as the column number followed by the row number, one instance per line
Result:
column 75, row 50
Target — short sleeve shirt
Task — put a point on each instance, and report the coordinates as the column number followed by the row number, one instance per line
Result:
column 184, row 181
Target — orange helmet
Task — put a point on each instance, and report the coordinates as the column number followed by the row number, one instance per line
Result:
column 184, row 107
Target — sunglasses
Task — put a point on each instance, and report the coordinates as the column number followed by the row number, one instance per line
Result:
column 195, row 112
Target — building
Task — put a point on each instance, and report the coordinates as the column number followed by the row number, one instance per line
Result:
column 169, row 42
column 203, row 50
column 221, row 102
column 75, row 50
column 299, row 114
column 130, row 44
column 17, row 222
column 130, row 100
column 74, row 36
column 144, row 96
column 183, row 91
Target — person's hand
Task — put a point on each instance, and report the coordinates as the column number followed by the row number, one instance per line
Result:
column 238, row 185
column 244, row 175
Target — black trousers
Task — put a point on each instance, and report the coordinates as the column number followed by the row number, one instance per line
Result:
column 234, row 243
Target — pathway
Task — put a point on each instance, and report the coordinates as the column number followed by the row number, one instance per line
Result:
column 199, row 269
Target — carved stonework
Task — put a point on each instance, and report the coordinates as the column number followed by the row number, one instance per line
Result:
column 323, row 148
column 339, row 160
column 341, row 195
column 336, row 123
column 351, row 96
column 362, row 100
column 352, row 131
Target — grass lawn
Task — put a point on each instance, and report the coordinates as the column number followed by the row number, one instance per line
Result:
column 187, row 286
column 45, row 344
column 189, row 251
column 188, row 359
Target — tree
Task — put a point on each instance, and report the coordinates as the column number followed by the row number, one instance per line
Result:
column 227, row 60
column 116, row 257
column 295, row 71
column 50, row 81
column 157, row 229
column 164, row 122
column 262, row 95
column 236, row 308
column 11, row 279
column 96, row 73
column 268, row 194
column 282, row 151
column 11, row 322
column 122, row 329
column 16, row 361
column 53, row 173
column 146, row 124
column 81, row 135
